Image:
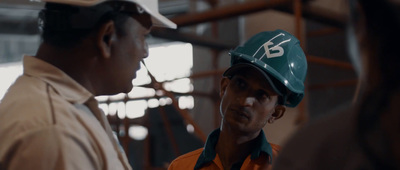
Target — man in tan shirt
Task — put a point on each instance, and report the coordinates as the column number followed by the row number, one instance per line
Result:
column 49, row 118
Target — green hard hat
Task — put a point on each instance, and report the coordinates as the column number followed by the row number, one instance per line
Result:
column 278, row 55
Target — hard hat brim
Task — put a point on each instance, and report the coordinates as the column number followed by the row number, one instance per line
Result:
column 292, row 98
column 158, row 19
column 237, row 67
column 293, row 86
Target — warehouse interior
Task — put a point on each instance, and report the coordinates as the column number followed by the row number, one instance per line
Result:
column 175, row 122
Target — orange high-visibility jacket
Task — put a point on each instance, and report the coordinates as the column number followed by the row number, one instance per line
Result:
column 206, row 158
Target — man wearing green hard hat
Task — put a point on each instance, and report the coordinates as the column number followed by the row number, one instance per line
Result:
column 49, row 118
column 267, row 74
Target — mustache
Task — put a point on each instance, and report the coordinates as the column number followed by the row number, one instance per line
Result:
column 242, row 111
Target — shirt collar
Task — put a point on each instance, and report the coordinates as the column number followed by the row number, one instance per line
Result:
column 263, row 146
column 63, row 84
column 208, row 154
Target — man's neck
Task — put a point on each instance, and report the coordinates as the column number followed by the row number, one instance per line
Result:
column 72, row 61
column 233, row 148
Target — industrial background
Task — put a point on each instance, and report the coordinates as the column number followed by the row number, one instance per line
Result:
column 213, row 27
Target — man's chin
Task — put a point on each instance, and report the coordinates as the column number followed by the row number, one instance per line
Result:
column 128, row 89
column 125, row 89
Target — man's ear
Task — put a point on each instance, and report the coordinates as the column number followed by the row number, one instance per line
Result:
column 224, row 84
column 278, row 113
column 104, row 38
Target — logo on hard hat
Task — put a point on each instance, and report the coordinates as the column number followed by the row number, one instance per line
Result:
column 271, row 50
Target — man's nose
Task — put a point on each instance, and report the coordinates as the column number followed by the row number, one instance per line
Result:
column 247, row 101
column 146, row 50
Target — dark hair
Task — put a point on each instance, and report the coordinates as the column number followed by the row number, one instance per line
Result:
column 57, row 29
column 382, row 81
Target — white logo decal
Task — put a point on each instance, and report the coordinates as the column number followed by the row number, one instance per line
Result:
column 277, row 50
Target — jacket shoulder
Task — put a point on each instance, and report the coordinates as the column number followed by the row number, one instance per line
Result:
column 186, row 161
column 275, row 149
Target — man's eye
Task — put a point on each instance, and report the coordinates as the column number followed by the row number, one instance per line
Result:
column 262, row 95
column 239, row 83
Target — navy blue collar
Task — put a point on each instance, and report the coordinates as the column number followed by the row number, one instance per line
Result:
column 208, row 154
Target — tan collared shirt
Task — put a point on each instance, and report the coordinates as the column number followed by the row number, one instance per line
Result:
column 49, row 121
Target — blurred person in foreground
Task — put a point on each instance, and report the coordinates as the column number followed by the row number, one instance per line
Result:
column 267, row 74
column 49, row 118
column 367, row 134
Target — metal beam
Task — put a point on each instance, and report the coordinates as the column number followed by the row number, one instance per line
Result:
column 341, row 83
column 19, row 26
column 191, row 38
column 29, row 25
column 323, row 32
column 228, row 11
column 329, row 62
column 238, row 9
column 318, row 14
